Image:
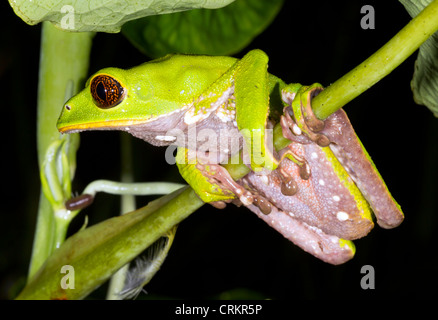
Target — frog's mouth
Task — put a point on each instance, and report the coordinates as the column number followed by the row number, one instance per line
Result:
column 99, row 125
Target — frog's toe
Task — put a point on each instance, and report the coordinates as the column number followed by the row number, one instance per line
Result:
column 220, row 179
column 263, row 204
column 289, row 186
column 219, row 204
column 298, row 118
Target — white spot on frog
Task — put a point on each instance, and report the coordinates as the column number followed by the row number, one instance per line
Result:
column 321, row 182
column 314, row 155
column 190, row 117
column 296, row 130
column 264, row 179
column 166, row 138
column 342, row 216
column 336, row 198
column 225, row 114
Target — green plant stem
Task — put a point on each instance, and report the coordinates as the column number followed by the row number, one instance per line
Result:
column 63, row 65
column 373, row 69
column 136, row 188
column 379, row 65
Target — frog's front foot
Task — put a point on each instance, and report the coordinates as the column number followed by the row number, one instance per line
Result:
column 299, row 123
column 219, row 176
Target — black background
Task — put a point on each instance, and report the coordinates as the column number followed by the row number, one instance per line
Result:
column 219, row 252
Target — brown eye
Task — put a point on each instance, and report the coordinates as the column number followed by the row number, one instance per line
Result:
column 106, row 91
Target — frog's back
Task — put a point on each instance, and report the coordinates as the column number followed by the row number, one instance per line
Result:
column 185, row 76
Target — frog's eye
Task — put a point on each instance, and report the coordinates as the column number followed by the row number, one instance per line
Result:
column 106, row 91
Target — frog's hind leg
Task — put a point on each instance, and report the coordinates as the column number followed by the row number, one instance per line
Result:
column 300, row 125
column 349, row 150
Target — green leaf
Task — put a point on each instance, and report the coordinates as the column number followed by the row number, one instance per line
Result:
column 101, row 15
column 95, row 253
column 424, row 83
column 217, row 32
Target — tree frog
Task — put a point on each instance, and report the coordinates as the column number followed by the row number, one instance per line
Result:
column 317, row 191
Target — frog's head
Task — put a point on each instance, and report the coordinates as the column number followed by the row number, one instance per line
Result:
column 94, row 106
column 112, row 99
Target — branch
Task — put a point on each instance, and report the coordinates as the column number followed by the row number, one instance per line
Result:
column 379, row 65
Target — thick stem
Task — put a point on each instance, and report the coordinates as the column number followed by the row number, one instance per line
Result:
column 373, row 69
column 379, row 65
column 63, row 66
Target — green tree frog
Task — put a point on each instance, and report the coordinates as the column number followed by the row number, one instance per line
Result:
column 319, row 191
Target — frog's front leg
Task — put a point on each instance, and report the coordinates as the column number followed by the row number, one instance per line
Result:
column 251, row 91
column 301, row 125
column 239, row 98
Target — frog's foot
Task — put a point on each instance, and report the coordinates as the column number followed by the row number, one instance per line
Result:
column 218, row 175
column 304, row 120
column 303, row 165
column 289, row 186
column 303, row 128
column 263, row 204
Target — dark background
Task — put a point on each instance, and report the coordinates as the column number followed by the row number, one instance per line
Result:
column 217, row 253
